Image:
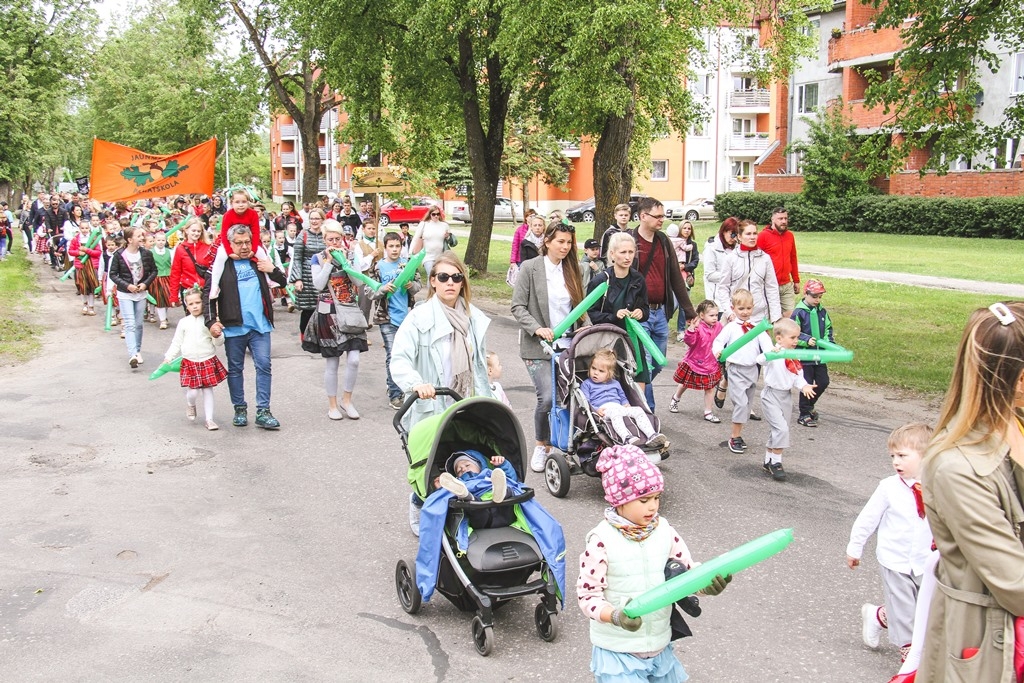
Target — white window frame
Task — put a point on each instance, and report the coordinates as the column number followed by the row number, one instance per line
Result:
column 739, row 166
column 700, row 164
column 747, row 125
column 699, row 130
column 813, row 28
column 655, row 176
column 1017, row 85
column 801, row 97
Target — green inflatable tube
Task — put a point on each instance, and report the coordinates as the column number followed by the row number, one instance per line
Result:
column 340, row 259
column 110, row 313
column 94, row 237
column 826, row 345
column 176, row 228
column 173, row 366
column 581, row 308
column 762, row 326
column 699, row 578
column 811, row 355
column 636, row 330
column 290, row 289
column 409, row 271
column 66, row 275
column 150, row 299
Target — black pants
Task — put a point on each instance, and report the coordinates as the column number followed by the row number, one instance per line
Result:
column 304, row 316
column 30, row 237
column 814, row 373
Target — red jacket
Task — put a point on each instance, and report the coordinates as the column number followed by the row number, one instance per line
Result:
column 183, row 272
column 77, row 248
column 781, row 247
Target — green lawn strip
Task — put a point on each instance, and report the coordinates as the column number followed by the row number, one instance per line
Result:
column 18, row 339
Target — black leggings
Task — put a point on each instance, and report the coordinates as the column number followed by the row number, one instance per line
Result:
column 304, row 316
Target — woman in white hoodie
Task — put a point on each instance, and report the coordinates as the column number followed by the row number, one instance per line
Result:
column 718, row 248
column 749, row 268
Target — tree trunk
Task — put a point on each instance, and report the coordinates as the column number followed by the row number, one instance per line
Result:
column 613, row 174
column 310, row 131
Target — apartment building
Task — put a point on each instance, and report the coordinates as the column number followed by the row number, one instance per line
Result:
column 287, row 168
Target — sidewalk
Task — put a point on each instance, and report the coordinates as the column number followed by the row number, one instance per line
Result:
column 968, row 286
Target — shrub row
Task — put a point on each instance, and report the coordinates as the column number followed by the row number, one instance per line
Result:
column 998, row 217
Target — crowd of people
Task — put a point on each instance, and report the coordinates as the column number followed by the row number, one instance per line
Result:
column 949, row 521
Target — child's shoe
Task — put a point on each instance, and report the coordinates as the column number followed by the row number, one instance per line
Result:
column 211, row 425
column 720, row 396
column 657, row 441
column 711, row 417
column 499, row 485
column 673, row 406
column 457, row 487
column 190, row 413
column 807, row 421
column 737, row 445
column 241, row 417
column 755, row 417
column 871, row 627
column 775, row 469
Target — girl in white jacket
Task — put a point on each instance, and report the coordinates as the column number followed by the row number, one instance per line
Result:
column 201, row 370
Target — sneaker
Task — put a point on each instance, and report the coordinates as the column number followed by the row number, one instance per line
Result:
column 737, row 445
column 871, row 629
column 637, row 441
column 904, row 651
column 539, row 457
column 719, row 397
column 122, row 333
column 241, row 417
column 814, row 414
column 134, row 362
column 807, row 421
column 163, row 324
column 415, row 506
column 397, row 402
column 265, row 420
column 139, row 356
column 190, row 412
column 679, row 338
column 499, row 485
column 775, row 469
column 673, row 406
column 657, row 441
column 455, row 486
column 755, row 417
column 211, row 425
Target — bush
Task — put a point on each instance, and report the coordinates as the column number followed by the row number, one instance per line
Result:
column 997, row 217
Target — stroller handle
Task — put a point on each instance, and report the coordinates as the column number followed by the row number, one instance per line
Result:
column 412, row 398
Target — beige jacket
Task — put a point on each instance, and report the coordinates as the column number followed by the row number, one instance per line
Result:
column 976, row 518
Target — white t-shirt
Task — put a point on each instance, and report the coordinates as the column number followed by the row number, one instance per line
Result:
column 559, row 301
column 134, row 262
column 432, row 233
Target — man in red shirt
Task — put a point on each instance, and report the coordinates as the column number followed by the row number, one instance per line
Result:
column 778, row 242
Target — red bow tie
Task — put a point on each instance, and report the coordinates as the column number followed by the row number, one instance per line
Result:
column 746, row 327
column 918, row 498
column 793, row 365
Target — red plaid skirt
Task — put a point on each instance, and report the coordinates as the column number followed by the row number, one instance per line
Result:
column 202, row 375
column 42, row 245
column 691, row 380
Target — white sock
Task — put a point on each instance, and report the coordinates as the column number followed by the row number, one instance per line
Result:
column 774, row 458
column 190, row 396
column 208, row 403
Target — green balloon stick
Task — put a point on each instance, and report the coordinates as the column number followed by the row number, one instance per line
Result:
column 97, row 290
column 340, row 259
column 762, row 326
column 409, row 271
column 290, row 289
column 811, row 355
column 176, row 228
column 110, row 313
column 635, row 329
column 699, row 578
column 581, row 308
column 66, row 275
column 173, row 366
column 150, row 299
column 826, row 345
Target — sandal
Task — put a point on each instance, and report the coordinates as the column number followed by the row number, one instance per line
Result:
column 755, row 418
column 711, row 417
column 720, row 396
column 673, row 406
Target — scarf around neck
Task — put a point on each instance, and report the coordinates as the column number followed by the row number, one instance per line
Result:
column 633, row 532
column 462, row 374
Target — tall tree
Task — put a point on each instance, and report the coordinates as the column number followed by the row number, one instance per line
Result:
column 832, row 160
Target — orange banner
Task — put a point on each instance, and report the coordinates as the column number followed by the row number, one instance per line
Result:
column 121, row 173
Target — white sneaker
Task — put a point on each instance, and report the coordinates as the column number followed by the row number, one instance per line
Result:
column 414, row 515
column 456, row 487
column 871, row 630
column 540, row 456
column 499, row 484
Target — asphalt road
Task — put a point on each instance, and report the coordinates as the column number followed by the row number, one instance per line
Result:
column 137, row 546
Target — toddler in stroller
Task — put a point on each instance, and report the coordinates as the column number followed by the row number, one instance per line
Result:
column 608, row 400
column 477, row 551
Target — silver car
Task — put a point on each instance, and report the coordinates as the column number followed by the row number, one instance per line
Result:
column 697, row 210
column 503, row 210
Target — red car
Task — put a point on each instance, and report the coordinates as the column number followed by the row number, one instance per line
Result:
column 393, row 212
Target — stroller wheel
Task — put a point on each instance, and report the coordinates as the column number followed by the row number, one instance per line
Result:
column 483, row 637
column 556, row 475
column 405, row 584
column 547, row 623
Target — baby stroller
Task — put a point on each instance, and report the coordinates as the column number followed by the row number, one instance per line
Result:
column 577, row 433
column 479, row 569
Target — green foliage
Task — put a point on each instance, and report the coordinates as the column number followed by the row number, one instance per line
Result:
column 997, row 217
column 833, row 166
column 948, row 48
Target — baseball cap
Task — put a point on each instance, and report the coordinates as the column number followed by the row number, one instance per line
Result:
column 814, row 287
column 591, row 244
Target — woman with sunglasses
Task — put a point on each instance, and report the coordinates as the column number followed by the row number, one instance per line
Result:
column 441, row 343
column 718, row 248
column 431, row 235
column 547, row 289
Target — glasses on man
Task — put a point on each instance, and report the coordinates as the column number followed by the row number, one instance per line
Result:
column 657, row 216
column 454, row 277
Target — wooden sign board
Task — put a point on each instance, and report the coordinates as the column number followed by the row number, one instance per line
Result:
column 377, row 180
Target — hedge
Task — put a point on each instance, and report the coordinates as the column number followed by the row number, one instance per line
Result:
column 998, row 217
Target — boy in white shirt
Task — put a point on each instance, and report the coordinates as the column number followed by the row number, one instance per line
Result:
column 896, row 511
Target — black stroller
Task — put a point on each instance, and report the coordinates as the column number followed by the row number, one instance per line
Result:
column 491, row 566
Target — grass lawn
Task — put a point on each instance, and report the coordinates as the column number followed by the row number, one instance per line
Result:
column 902, row 336
column 18, row 339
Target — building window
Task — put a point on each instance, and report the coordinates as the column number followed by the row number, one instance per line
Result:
column 744, row 83
column 741, row 126
column 698, row 130
column 796, row 163
column 698, row 170
column 741, row 169
column 659, row 169
column 700, row 84
column 807, row 98
column 813, row 27
column 1018, row 74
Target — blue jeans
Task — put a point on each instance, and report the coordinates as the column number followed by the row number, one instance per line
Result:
column 540, row 373
column 258, row 345
column 656, row 326
column 387, row 335
column 134, row 314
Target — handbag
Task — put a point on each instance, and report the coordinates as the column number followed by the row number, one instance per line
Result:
column 350, row 319
column 512, row 274
column 451, row 241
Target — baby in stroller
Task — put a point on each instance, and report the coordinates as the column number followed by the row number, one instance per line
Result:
column 606, row 398
column 470, row 468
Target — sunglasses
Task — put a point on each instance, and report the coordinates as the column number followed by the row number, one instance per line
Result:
column 434, row 213
column 565, row 227
column 454, row 277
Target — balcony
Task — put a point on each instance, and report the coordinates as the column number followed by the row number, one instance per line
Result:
column 738, row 185
column 287, row 158
column 863, row 46
column 289, row 130
column 570, row 149
column 747, row 144
column 292, row 186
column 750, row 99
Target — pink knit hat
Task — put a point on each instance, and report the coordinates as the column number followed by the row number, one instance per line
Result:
column 627, row 474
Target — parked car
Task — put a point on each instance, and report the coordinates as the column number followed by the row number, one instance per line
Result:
column 584, row 211
column 393, row 212
column 697, row 210
column 504, row 209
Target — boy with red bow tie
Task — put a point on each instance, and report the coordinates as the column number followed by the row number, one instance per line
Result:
column 780, row 377
column 904, row 542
